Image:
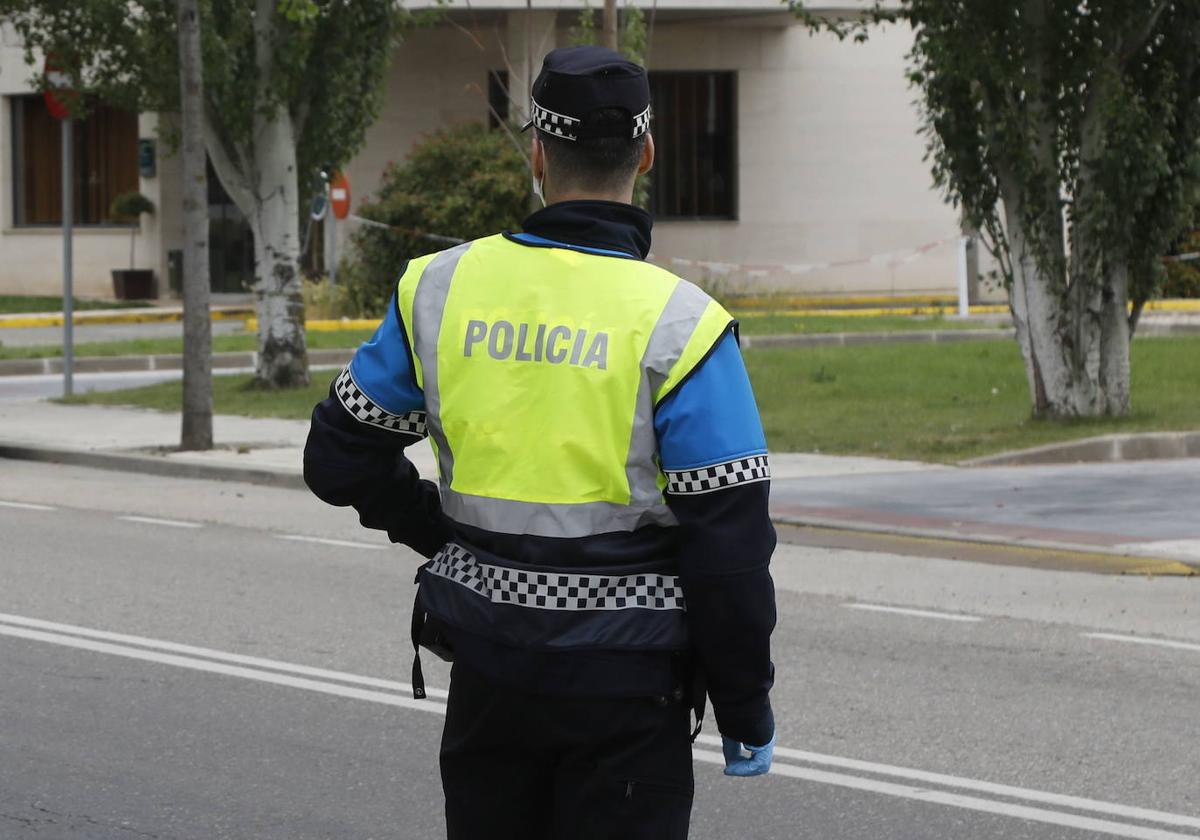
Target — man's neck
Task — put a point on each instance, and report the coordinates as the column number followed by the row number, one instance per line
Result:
column 619, row 196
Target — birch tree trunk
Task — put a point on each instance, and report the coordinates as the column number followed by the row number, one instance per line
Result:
column 282, row 348
column 275, row 222
column 197, row 428
column 1060, row 328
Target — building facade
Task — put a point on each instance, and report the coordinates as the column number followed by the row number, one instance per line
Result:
column 788, row 161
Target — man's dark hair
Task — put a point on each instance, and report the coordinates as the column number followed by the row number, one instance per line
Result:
column 600, row 164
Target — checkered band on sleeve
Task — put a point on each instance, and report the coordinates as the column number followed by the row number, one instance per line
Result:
column 641, row 123
column 559, row 125
column 719, row 476
column 556, row 590
column 366, row 411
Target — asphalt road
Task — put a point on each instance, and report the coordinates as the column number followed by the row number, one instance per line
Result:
column 181, row 659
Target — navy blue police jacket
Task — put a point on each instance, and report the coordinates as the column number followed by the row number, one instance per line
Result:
column 722, row 543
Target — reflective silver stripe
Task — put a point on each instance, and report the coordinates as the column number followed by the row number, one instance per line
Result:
column 429, row 305
column 506, row 516
column 672, row 331
column 557, row 590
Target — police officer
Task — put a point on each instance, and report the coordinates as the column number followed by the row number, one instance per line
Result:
column 598, row 540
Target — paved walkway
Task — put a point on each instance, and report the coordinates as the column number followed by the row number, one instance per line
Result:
column 265, row 444
column 1141, row 508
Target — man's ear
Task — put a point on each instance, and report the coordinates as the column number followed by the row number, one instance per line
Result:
column 647, row 155
column 537, row 158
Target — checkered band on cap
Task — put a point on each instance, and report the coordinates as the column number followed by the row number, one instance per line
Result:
column 557, row 590
column 366, row 411
column 557, row 124
column 719, row 476
column 641, row 123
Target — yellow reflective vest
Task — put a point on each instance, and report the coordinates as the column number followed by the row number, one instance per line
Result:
column 541, row 369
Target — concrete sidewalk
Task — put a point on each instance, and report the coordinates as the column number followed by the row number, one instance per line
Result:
column 247, row 445
column 1144, row 509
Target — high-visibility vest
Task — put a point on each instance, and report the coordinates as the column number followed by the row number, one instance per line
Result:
column 541, row 369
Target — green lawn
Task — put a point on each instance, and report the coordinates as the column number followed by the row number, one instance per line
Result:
column 15, row 304
column 231, row 395
column 146, row 346
column 947, row 402
column 926, row 402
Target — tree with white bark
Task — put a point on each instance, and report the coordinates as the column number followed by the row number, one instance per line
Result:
column 289, row 86
column 1069, row 133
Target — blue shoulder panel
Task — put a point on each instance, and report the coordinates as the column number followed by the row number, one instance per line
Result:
column 534, row 239
column 712, row 417
column 382, row 368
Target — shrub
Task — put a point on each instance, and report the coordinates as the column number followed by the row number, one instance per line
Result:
column 323, row 301
column 465, row 181
column 1183, row 278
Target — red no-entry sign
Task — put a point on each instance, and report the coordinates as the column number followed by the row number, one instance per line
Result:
column 339, row 196
column 59, row 97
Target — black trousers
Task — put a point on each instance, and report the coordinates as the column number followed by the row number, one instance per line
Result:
column 518, row 766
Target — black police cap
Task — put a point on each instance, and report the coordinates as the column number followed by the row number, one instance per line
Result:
column 576, row 82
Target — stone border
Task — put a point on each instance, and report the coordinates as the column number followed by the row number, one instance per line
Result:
column 167, row 361
column 172, row 468
column 162, row 361
column 1146, row 446
column 152, row 465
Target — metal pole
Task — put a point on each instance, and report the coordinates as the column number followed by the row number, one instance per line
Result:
column 331, row 257
column 68, row 222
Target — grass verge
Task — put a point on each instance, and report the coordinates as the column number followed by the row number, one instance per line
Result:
column 924, row 402
column 948, row 402
column 19, row 304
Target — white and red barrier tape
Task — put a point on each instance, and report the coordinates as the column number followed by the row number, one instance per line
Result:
column 754, row 270
column 888, row 258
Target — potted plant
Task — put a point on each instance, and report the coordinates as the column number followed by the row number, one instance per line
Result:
column 132, row 283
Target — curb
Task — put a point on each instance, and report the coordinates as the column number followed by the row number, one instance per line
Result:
column 1145, row 446
column 149, row 315
column 163, row 361
column 160, row 466
column 855, row 338
column 243, row 359
column 151, row 465
column 945, row 536
column 247, row 359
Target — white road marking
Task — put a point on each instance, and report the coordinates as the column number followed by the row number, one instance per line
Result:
column 25, row 506
column 339, row 543
column 170, row 523
column 1077, row 803
column 915, row 613
column 1183, row 549
column 83, row 638
column 227, row 670
column 958, row 800
column 1142, row 640
column 209, row 653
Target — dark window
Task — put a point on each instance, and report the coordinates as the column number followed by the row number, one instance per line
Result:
column 497, row 95
column 230, row 242
column 695, row 135
column 105, row 162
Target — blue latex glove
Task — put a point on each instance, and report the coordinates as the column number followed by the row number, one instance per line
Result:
column 737, row 763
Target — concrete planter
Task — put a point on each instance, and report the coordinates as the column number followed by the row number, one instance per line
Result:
column 133, row 284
